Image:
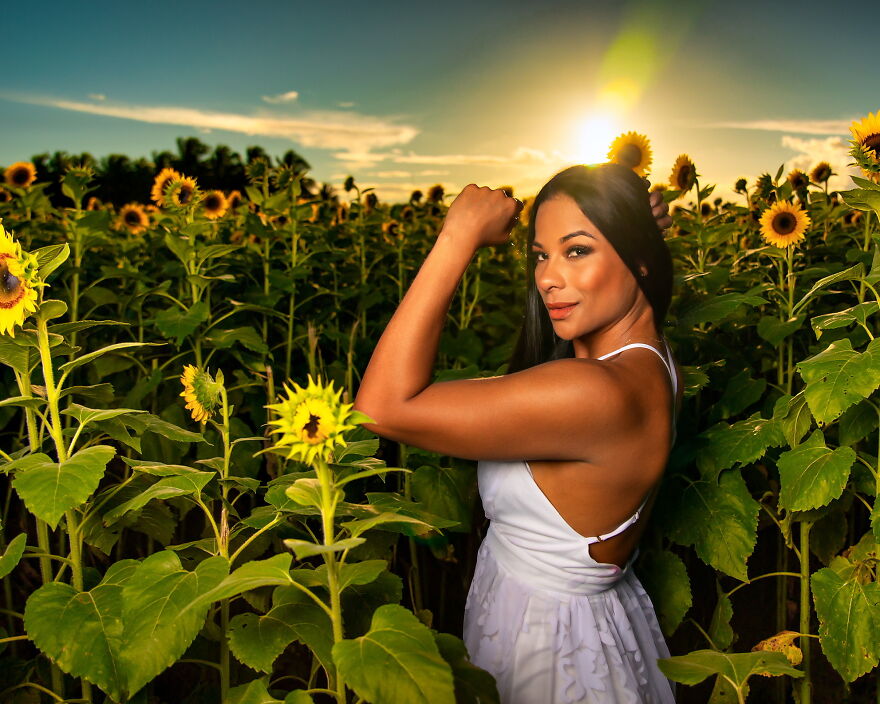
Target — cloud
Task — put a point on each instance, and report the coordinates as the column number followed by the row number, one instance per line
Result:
column 321, row 129
column 834, row 150
column 287, row 97
column 345, row 104
column 797, row 126
column 97, row 96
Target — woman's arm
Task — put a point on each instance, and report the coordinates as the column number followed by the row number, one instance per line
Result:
column 556, row 410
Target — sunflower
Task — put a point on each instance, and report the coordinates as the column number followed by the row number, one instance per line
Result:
column 341, row 213
column 18, row 279
column 164, row 177
column 391, row 231
column 181, row 192
column 740, row 185
column 435, row 194
column 5, row 196
column 783, row 224
column 633, row 150
column 661, row 187
column 215, row 204
column 821, row 172
column 866, row 141
column 93, row 203
column 371, row 200
column 21, row 174
column 683, row 174
column 233, row 199
column 203, row 394
column 134, row 218
column 312, row 421
column 798, row 179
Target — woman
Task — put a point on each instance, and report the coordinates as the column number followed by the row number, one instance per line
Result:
column 571, row 443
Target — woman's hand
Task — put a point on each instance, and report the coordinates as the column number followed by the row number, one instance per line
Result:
column 482, row 216
column 659, row 208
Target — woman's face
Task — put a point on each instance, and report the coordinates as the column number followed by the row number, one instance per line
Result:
column 574, row 263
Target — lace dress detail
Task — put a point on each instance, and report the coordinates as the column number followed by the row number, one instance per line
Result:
column 552, row 624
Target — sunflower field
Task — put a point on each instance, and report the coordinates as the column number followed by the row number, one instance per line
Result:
column 171, row 353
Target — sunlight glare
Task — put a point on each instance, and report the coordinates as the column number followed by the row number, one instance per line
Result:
column 595, row 136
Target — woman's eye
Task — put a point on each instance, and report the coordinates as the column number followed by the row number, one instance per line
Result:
column 578, row 249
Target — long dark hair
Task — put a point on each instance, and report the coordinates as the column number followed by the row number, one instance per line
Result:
column 615, row 199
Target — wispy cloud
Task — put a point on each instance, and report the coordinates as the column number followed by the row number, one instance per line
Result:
column 345, row 104
column 796, row 126
column 97, row 96
column 322, row 129
column 287, row 97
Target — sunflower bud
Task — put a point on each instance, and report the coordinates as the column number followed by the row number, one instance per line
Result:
column 203, row 394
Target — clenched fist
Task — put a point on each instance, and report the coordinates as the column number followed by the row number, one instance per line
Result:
column 482, row 216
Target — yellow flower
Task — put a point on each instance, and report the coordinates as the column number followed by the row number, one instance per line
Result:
column 18, row 278
column 867, row 133
column 203, row 395
column 783, row 224
column 798, row 179
column 633, row 150
column 93, row 203
column 181, row 192
column 5, row 196
column 821, row 172
column 164, row 177
column 783, row 642
column 312, row 421
column 683, row 174
column 233, row 199
column 133, row 217
column 21, row 174
column 215, row 204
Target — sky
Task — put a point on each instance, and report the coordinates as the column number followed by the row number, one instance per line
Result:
column 404, row 95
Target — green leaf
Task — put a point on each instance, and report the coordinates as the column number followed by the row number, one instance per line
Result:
column 854, row 272
column 87, row 415
column 177, row 324
column 716, row 309
column 473, row 685
column 743, row 442
column 48, row 489
column 838, row 377
column 793, row 417
column 812, row 474
column 257, row 641
column 305, row 548
column 450, row 492
column 858, row 313
column 396, row 661
column 774, row 330
column 696, row 666
column 14, row 355
column 187, row 484
column 665, row 578
column 79, row 361
column 307, row 492
column 393, row 502
column 50, row 309
column 740, row 393
column 10, row 559
column 387, row 519
column 50, row 258
column 181, row 246
column 719, row 628
column 247, row 337
column 273, row 571
column 727, row 506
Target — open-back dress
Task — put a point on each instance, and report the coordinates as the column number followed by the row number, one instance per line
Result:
column 553, row 625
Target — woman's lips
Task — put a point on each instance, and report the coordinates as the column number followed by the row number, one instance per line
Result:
column 560, row 313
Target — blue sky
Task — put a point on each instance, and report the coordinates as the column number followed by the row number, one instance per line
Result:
column 403, row 95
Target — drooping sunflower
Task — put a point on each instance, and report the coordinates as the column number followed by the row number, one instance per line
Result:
column 683, row 174
column 233, row 199
column 181, row 192
column 798, row 179
column 21, row 174
column 740, row 185
column 821, row 172
column 633, row 150
column 435, row 193
column 134, row 218
column 202, row 393
column 93, row 203
column 866, row 141
column 783, row 224
column 163, row 178
column 18, row 283
column 215, row 204
column 312, row 421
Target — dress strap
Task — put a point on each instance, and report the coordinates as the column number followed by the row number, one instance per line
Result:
column 626, row 524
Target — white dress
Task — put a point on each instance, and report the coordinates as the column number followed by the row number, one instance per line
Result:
column 553, row 625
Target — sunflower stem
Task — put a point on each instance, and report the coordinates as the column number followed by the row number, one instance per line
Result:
column 806, row 683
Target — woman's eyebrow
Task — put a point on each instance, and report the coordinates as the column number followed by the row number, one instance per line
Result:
column 568, row 236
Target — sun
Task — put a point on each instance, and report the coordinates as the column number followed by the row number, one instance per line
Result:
column 595, row 134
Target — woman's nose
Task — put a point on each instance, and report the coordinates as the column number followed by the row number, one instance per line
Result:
column 549, row 275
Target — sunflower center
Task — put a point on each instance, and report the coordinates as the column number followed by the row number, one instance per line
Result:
column 683, row 176
column 11, row 290
column 212, row 203
column 784, row 223
column 20, row 177
column 185, row 195
column 872, row 142
column 630, row 155
column 132, row 217
column 311, row 427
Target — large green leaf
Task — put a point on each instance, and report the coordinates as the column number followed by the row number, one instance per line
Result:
column 665, row 578
column 743, row 442
column 187, row 484
column 396, row 661
column 854, row 272
column 258, row 640
column 473, row 685
column 849, row 618
column 716, row 309
column 447, row 491
column 812, row 474
column 48, row 489
column 838, row 377
column 728, row 508
column 134, row 624
column 735, row 667
column 793, row 417
column 12, row 556
column 858, row 313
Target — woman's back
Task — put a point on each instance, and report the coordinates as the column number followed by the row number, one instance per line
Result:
column 547, row 619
